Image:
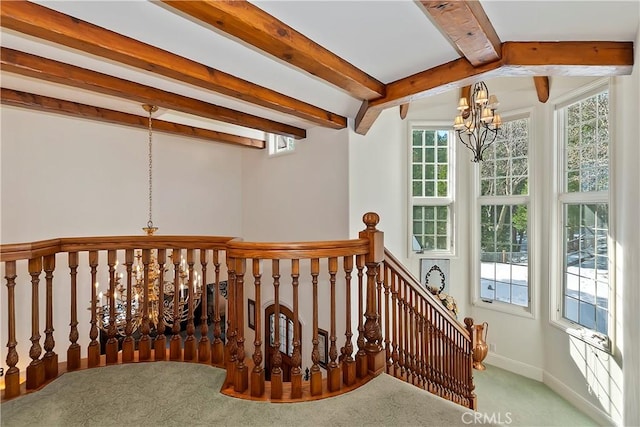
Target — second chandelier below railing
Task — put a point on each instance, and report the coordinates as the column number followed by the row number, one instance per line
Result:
column 128, row 306
column 477, row 124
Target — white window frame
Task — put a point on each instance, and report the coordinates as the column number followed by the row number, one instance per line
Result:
column 275, row 142
column 449, row 201
column 560, row 199
column 532, row 220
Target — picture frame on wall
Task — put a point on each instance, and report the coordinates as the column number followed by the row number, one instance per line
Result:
column 251, row 313
column 323, row 347
column 434, row 274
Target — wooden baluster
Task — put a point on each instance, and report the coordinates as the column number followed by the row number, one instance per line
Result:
column 204, row 348
column 372, row 331
column 387, row 319
column 231, row 350
column 396, row 325
column 127, row 342
column 217, row 347
column 449, row 358
column 160, row 343
column 296, row 357
column 333, row 369
column 424, row 344
column 361, row 355
column 93, row 352
column 112, row 342
column 50, row 358
column 402, row 321
column 190, row 347
column 316, row 375
column 144, row 345
column 35, row 370
column 433, row 337
column 241, row 382
column 12, row 376
column 348, row 364
column 454, row 378
column 276, row 359
column 419, row 338
column 175, row 346
column 458, row 362
column 257, row 374
column 412, row 340
column 441, row 355
column 73, row 352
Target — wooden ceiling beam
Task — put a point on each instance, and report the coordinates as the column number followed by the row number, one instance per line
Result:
column 25, row 64
column 467, row 27
column 44, row 103
column 542, row 87
column 47, row 24
column 254, row 26
column 518, row 59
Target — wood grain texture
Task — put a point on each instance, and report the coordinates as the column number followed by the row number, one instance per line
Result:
column 74, row 109
column 41, row 22
column 597, row 58
column 467, row 27
column 251, row 24
column 29, row 65
column 542, row 87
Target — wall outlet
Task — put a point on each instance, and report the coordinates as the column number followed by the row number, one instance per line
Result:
column 492, row 348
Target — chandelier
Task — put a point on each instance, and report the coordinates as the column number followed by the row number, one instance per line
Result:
column 175, row 308
column 477, row 123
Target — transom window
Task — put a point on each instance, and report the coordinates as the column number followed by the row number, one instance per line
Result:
column 584, row 211
column 504, row 216
column 279, row 144
column 431, row 189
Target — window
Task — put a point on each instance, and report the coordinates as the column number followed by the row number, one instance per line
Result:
column 285, row 326
column 279, row 144
column 431, row 189
column 504, row 216
column 583, row 202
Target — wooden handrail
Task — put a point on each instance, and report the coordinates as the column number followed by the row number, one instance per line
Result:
column 297, row 250
column 19, row 251
column 403, row 272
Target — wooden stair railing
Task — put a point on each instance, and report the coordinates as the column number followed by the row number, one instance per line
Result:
column 90, row 260
column 425, row 345
column 346, row 287
column 322, row 270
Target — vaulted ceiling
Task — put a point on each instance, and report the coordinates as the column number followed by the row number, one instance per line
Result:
column 233, row 71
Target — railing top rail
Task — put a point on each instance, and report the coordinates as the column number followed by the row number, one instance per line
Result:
column 20, row 251
column 410, row 278
column 297, row 250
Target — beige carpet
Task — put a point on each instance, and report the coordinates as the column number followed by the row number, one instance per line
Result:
column 184, row 394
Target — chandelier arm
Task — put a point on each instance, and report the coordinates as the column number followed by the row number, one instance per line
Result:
column 495, row 136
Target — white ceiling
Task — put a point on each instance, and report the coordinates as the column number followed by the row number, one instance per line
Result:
column 388, row 40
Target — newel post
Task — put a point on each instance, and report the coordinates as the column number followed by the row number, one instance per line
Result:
column 471, row 396
column 372, row 331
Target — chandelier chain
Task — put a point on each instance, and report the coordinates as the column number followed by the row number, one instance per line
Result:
column 150, row 222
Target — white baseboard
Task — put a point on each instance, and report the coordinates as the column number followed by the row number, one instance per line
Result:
column 514, row 366
column 578, row 401
column 538, row 374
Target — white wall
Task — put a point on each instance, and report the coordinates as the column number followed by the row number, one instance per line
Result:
column 627, row 91
column 64, row 177
column 298, row 196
